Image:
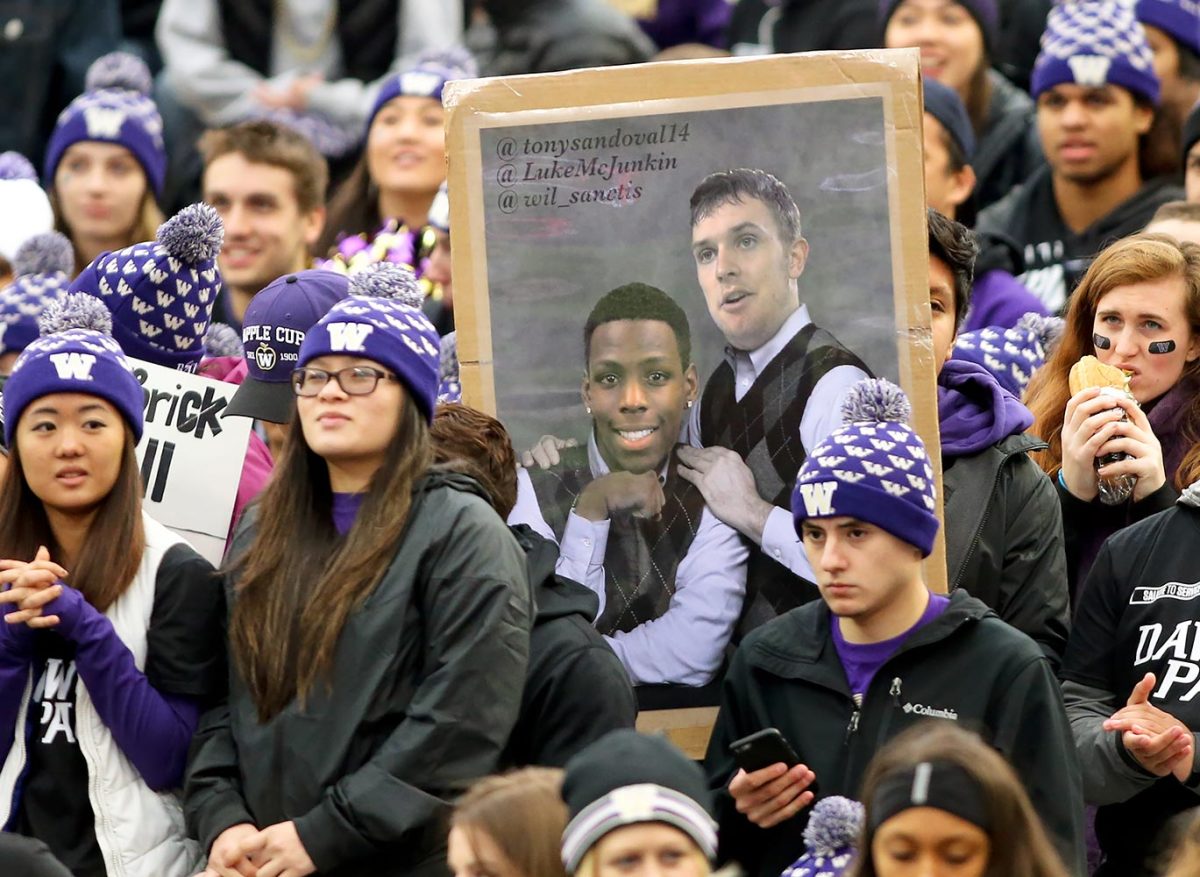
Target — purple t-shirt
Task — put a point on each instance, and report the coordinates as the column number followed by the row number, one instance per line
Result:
column 862, row 661
column 345, row 510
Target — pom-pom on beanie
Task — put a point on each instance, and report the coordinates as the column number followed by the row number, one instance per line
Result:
column 830, row 839
column 161, row 293
column 874, row 468
column 75, row 354
column 1095, row 43
column 114, row 108
column 627, row 778
column 42, row 271
column 426, row 78
column 379, row 321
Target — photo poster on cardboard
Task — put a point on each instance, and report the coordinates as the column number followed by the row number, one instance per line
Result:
column 565, row 186
column 190, row 456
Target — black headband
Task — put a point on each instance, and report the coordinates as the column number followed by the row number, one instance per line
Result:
column 937, row 784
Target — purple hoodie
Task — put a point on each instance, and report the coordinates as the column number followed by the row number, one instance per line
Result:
column 974, row 411
column 688, row 21
column 999, row 299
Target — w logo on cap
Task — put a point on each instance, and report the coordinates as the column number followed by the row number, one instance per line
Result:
column 104, row 123
column 1091, row 70
column 349, row 336
column 818, row 497
column 264, row 358
column 73, row 366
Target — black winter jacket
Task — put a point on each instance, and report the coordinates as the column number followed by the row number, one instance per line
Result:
column 426, row 684
column 967, row 666
column 805, row 25
column 577, row 690
column 1008, row 149
column 1004, row 540
column 1137, row 615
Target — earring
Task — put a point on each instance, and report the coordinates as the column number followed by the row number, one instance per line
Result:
column 587, row 408
column 689, row 403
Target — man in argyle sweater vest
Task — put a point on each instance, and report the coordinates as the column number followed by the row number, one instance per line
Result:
column 670, row 576
column 778, row 392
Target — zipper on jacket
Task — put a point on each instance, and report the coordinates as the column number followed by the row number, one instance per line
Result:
column 895, row 690
column 852, row 727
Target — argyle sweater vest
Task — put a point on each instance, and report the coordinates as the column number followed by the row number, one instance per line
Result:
column 642, row 554
column 764, row 429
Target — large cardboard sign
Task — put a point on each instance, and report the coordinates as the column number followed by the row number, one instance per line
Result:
column 190, row 457
column 567, row 186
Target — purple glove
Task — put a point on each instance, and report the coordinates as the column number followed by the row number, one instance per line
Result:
column 152, row 729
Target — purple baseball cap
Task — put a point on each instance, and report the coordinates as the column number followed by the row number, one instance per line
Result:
column 276, row 321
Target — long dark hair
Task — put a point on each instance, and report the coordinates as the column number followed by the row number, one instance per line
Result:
column 1019, row 844
column 116, row 540
column 299, row 580
column 353, row 209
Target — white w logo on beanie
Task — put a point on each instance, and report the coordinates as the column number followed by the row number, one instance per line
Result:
column 1090, row 70
column 73, row 366
column 348, row 336
column 818, row 497
column 104, row 122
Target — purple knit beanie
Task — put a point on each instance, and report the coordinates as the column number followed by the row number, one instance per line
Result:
column 1179, row 19
column 426, row 78
column 985, row 12
column 114, row 108
column 381, row 320
column 1095, row 43
column 42, row 270
column 161, row 293
column 75, row 354
column 874, row 468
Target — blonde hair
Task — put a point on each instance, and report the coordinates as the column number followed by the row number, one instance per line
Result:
column 524, row 815
column 589, row 865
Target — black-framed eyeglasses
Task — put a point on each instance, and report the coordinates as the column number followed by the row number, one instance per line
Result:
column 355, row 380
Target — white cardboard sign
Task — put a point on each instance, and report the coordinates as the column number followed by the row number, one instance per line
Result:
column 190, row 457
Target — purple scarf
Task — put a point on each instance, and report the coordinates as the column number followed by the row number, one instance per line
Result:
column 974, row 411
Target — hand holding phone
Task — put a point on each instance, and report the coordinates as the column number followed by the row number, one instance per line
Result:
column 772, row 786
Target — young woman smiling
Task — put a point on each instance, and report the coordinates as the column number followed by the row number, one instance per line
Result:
column 379, row 628
column 109, row 646
column 404, row 159
column 1137, row 308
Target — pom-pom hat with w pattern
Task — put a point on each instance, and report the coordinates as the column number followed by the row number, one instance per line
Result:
column 874, row 468
column 381, row 321
column 161, row 293
column 1095, row 43
column 75, row 354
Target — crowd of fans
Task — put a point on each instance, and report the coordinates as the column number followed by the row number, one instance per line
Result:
column 422, row 654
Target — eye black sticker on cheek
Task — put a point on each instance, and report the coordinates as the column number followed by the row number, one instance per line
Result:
column 1161, row 346
column 1100, row 341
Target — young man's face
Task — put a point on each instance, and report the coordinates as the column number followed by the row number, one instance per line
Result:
column 1192, row 173
column 266, row 234
column 1089, row 134
column 638, row 391
column 941, row 310
column 861, row 569
column 945, row 189
column 747, row 272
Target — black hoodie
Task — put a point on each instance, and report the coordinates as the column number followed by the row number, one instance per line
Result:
column 966, row 666
column 1056, row 257
column 576, row 690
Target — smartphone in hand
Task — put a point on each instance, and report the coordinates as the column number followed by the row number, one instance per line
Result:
column 763, row 749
